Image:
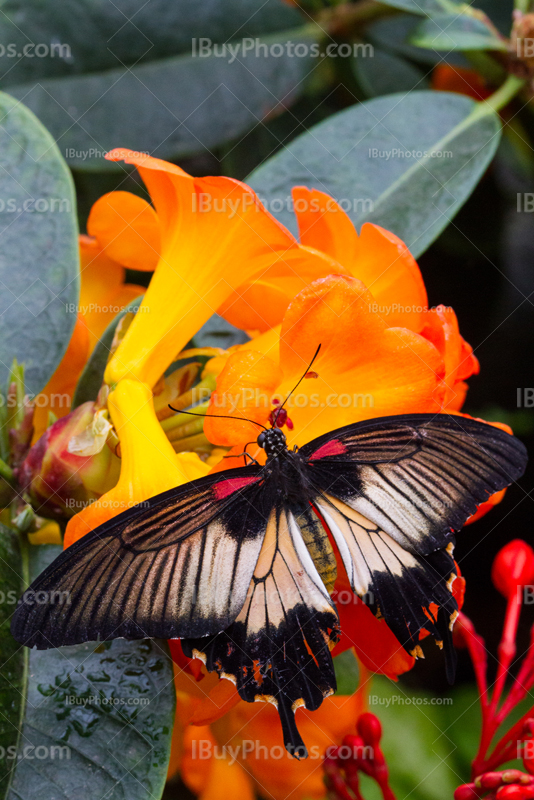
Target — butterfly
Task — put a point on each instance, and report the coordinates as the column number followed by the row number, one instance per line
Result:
column 240, row 565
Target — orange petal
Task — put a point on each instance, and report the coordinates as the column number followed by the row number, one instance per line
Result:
column 261, row 304
column 441, row 328
column 215, row 236
column 375, row 644
column 460, row 80
column 127, row 228
column 364, row 368
column 227, row 778
column 244, row 389
column 376, row 257
column 257, row 728
column 220, row 700
column 60, row 388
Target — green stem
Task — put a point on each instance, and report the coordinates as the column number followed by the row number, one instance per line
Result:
column 522, row 5
column 503, row 95
column 6, row 472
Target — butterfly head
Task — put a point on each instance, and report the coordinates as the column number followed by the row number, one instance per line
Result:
column 273, row 441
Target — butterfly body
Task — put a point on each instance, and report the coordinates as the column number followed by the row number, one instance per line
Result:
column 240, row 564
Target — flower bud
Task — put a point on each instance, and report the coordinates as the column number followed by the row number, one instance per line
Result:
column 369, row 728
column 514, row 791
column 513, row 566
column 61, row 483
column 468, row 791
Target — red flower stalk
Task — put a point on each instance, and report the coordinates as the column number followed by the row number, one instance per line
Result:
column 513, row 575
column 356, row 754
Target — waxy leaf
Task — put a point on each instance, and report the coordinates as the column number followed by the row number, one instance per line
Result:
column 46, row 39
column 406, row 162
column 12, row 656
column 456, row 32
column 425, row 7
column 394, row 34
column 173, row 107
column 39, row 266
column 387, row 73
column 98, row 718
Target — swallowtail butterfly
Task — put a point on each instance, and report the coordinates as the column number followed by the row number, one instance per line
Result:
column 239, row 564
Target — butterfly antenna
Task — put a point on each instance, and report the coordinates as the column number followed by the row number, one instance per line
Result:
column 218, row 416
column 296, row 386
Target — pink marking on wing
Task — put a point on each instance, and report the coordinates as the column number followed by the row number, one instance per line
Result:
column 231, row 485
column 332, row 448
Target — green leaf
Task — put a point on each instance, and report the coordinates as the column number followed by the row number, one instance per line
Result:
column 39, row 268
column 424, row 7
column 456, row 32
column 387, row 73
column 12, row 656
column 172, row 107
column 98, row 718
column 417, row 751
column 386, row 161
column 393, row 33
column 347, row 672
column 82, row 36
column 92, row 377
column 217, row 332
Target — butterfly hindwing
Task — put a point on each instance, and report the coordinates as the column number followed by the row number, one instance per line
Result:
column 404, row 588
column 417, row 476
column 178, row 565
column 277, row 650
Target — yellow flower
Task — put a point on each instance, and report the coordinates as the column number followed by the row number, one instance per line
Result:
column 149, row 464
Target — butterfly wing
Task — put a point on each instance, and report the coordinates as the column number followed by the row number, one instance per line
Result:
column 392, row 491
column 417, row 476
column 277, row 650
column 178, row 565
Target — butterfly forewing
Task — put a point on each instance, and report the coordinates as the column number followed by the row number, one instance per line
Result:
column 180, row 566
column 418, row 477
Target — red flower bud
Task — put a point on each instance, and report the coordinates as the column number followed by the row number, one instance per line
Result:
column 490, row 780
column 468, row 791
column 369, row 728
column 514, row 792
column 513, row 566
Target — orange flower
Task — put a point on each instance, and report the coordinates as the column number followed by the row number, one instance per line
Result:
column 459, row 80
column 377, row 257
column 215, row 235
column 238, row 751
column 123, row 232
column 364, row 369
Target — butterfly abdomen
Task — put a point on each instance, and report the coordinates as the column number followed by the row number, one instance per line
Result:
column 319, row 546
